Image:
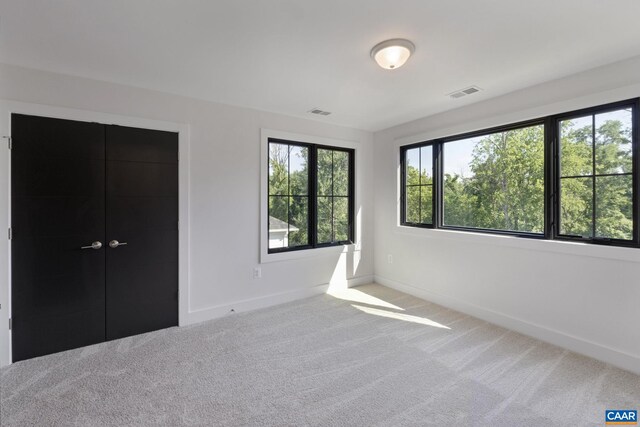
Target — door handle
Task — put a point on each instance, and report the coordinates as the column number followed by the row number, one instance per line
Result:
column 95, row 245
column 114, row 244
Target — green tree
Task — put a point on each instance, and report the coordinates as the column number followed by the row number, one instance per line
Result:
column 581, row 169
column 506, row 188
column 289, row 189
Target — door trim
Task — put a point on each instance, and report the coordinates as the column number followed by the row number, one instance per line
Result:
column 7, row 108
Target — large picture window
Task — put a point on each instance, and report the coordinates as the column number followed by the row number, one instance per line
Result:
column 570, row 176
column 495, row 181
column 310, row 195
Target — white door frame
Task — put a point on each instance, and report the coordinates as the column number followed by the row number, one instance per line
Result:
column 9, row 107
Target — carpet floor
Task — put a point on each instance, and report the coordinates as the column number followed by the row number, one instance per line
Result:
column 368, row 356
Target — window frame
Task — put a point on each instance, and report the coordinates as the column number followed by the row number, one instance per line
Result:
column 551, row 132
column 634, row 104
column 403, row 183
column 312, row 206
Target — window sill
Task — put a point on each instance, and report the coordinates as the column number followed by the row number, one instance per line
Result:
column 617, row 253
column 308, row 253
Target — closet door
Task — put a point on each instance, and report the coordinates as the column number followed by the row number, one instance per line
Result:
column 142, row 231
column 57, row 213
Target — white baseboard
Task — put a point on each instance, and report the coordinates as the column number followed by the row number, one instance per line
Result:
column 617, row 358
column 218, row 311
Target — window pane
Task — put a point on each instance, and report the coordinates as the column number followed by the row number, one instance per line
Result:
column 418, row 191
column 412, row 166
column 324, row 219
column 341, row 218
column 298, row 221
column 576, row 206
column 278, row 222
column 613, row 142
column 614, row 207
column 496, row 181
column 426, row 165
column 278, row 169
column 298, row 173
column 576, row 146
column 412, row 208
column 342, row 231
column 325, row 178
column 340, row 173
column 426, row 208
column 333, row 196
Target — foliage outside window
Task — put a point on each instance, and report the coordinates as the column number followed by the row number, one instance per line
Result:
column 418, row 170
column 310, row 196
column 288, row 196
column 496, row 181
column 569, row 176
column 333, row 196
column 596, row 175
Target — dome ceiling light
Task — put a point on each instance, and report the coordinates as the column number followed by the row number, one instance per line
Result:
column 392, row 54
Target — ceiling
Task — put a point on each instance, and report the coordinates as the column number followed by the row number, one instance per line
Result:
column 289, row 56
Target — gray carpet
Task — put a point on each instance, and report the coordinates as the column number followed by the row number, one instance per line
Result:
column 351, row 360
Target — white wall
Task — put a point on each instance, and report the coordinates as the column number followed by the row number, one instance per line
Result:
column 224, row 195
column 575, row 295
column 583, row 297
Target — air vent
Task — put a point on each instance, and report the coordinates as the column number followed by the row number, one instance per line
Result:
column 319, row 112
column 464, row 92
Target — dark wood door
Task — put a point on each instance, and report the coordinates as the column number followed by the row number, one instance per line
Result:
column 142, row 216
column 57, row 207
column 73, row 184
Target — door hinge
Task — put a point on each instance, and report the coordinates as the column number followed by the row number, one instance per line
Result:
column 10, row 323
column 8, row 138
column 9, row 234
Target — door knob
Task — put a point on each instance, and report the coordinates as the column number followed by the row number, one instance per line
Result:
column 95, row 245
column 114, row 244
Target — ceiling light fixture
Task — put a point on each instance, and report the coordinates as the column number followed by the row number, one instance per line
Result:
column 392, row 54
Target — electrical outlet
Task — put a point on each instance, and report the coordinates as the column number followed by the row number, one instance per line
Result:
column 257, row 273
column 390, row 259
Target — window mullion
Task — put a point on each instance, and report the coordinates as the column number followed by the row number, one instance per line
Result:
column 593, row 177
column 550, row 174
column 438, row 179
column 420, row 185
column 312, row 202
column 333, row 210
column 288, row 190
column 635, row 163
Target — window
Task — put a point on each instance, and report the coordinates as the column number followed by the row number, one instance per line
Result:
column 570, row 176
column 288, row 196
column 310, row 195
column 495, row 181
column 596, row 175
column 332, row 195
column 418, row 179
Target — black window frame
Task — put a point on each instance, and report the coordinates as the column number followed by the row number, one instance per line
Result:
column 634, row 105
column 403, row 180
column 312, row 183
column 551, row 154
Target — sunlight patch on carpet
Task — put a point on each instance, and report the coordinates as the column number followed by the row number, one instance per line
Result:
column 400, row 316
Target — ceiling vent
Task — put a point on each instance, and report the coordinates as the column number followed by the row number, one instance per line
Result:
column 464, row 92
column 319, row 112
